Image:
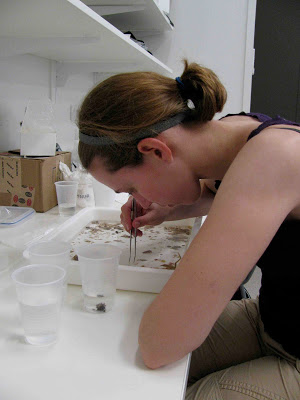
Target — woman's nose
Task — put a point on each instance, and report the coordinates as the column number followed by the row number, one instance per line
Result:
column 142, row 201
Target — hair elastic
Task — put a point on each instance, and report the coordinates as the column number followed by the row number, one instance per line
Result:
column 180, row 83
column 148, row 132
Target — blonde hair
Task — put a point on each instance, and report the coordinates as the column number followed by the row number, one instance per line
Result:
column 124, row 104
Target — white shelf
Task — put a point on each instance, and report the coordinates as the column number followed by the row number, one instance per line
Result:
column 69, row 31
column 132, row 15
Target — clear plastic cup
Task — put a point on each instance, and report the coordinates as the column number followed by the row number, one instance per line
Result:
column 98, row 269
column 66, row 192
column 50, row 252
column 39, row 289
column 104, row 196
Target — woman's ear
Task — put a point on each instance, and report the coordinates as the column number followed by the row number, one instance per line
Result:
column 156, row 148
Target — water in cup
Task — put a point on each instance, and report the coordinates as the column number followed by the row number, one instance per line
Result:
column 96, row 302
column 40, row 292
column 66, row 192
column 66, row 209
column 98, row 270
column 98, row 283
column 40, row 322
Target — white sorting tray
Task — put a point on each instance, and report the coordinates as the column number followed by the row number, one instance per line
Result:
column 156, row 250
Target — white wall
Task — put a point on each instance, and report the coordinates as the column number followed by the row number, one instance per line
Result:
column 213, row 33
column 210, row 32
column 26, row 77
column 21, row 78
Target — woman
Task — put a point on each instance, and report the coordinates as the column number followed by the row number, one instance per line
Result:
column 155, row 138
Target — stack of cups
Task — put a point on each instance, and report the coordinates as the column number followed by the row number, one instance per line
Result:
column 40, row 291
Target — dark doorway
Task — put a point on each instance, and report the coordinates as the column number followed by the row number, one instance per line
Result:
column 276, row 81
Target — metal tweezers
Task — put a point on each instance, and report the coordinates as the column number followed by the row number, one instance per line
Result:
column 133, row 230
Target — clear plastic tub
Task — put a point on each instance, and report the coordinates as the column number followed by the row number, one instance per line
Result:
column 11, row 216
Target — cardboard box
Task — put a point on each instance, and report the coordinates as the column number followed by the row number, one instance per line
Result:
column 29, row 182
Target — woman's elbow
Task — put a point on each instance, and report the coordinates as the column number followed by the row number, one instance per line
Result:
column 150, row 362
column 149, row 349
column 149, row 358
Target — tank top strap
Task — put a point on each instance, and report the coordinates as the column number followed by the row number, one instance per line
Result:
column 272, row 121
column 259, row 116
column 266, row 121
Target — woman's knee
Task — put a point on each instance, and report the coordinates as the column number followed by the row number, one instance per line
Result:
column 270, row 378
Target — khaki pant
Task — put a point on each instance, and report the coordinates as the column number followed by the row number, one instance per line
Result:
column 239, row 360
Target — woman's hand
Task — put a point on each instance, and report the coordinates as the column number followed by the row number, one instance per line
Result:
column 154, row 215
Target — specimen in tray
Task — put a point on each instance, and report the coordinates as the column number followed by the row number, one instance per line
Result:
column 160, row 246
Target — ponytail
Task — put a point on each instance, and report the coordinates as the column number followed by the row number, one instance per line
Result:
column 202, row 86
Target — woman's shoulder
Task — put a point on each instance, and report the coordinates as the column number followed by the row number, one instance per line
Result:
column 238, row 118
column 285, row 137
column 271, row 156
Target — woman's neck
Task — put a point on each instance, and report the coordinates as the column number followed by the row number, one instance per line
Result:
column 210, row 148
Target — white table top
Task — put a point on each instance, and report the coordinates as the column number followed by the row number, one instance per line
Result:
column 96, row 356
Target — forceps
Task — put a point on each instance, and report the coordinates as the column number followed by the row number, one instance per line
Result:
column 133, row 230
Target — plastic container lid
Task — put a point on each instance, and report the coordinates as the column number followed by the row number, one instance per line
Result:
column 12, row 216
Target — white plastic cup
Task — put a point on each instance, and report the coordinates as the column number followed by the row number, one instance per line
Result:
column 104, row 196
column 66, row 192
column 39, row 289
column 98, row 269
column 50, row 252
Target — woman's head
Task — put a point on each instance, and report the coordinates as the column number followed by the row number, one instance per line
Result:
column 124, row 105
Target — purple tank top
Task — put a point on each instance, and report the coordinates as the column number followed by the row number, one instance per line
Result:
column 266, row 121
column 279, row 293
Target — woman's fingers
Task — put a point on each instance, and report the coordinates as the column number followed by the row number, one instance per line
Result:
column 154, row 215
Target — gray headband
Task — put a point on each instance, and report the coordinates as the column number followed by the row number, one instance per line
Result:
column 148, row 132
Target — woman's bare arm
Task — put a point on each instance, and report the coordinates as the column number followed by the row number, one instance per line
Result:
column 259, row 190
